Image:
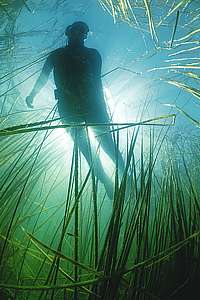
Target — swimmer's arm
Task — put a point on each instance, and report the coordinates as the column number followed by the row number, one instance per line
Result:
column 97, row 64
column 41, row 81
column 97, row 72
column 97, row 76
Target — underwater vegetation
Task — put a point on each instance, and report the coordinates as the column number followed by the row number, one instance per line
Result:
column 61, row 237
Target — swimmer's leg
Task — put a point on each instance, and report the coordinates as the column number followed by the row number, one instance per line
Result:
column 91, row 158
column 107, row 143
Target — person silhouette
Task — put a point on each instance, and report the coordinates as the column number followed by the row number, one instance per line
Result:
column 79, row 91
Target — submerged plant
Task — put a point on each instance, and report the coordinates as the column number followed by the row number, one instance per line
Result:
column 61, row 237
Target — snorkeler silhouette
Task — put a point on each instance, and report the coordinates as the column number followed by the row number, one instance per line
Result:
column 77, row 76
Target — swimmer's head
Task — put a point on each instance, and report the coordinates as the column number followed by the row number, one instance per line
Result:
column 77, row 31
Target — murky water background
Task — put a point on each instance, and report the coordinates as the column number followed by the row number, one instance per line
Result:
column 61, row 237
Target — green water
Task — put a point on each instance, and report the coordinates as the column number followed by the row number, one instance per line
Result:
column 61, row 236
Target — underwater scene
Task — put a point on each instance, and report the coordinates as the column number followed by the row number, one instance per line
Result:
column 100, row 151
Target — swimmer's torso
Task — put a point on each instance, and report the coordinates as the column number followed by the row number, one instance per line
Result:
column 77, row 77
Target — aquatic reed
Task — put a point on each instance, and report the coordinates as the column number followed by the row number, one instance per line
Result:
column 61, row 237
